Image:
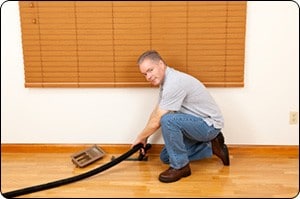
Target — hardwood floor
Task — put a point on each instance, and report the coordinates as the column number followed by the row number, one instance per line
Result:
column 255, row 171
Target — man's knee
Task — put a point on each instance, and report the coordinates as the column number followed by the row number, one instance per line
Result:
column 167, row 118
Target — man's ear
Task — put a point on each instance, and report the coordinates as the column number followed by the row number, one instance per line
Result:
column 161, row 64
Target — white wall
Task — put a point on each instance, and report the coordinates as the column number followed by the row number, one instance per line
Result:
column 255, row 114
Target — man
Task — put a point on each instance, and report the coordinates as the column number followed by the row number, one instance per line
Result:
column 189, row 118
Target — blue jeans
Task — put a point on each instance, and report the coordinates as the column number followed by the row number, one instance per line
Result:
column 186, row 138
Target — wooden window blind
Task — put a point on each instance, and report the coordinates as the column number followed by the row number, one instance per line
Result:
column 96, row 44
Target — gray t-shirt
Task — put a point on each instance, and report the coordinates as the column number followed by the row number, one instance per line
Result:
column 183, row 93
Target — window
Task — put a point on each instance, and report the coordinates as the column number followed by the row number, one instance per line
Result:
column 97, row 43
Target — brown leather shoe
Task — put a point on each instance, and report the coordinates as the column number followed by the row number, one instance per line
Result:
column 220, row 149
column 172, row 175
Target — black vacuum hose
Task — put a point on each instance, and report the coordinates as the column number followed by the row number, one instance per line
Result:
column 78, row 177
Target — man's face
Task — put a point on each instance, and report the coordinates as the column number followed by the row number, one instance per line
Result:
column 153, row 71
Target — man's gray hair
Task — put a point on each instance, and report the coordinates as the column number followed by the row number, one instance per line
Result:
column 150, row 54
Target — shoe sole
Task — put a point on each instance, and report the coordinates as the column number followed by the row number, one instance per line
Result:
column 220, row 138
column 227, row 161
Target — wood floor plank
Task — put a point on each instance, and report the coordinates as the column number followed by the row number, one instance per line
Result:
column 255, row 171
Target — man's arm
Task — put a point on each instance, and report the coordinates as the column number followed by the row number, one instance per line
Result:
column 152, row 125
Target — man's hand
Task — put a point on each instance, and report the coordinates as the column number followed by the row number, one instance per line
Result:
column 140, row 141
column 136, row 142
